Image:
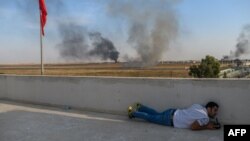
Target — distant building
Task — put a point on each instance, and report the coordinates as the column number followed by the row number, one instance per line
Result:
column 242, row 63
column 225, row 58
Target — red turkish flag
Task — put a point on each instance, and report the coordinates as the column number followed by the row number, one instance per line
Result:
column 43, row 14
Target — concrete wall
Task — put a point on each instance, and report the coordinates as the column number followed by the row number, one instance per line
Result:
column 115, row 94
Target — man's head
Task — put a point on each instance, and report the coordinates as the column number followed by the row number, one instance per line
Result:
column 212, row 109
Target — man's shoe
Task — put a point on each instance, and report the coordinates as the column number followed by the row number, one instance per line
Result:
column 130, row 112
column 132, row 109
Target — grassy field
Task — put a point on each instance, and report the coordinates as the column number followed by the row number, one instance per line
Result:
column 100, row 69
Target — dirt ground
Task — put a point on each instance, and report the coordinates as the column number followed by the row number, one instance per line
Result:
column 176, row 70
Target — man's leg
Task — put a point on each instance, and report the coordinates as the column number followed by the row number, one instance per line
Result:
column 158, row 118
column 148, row 110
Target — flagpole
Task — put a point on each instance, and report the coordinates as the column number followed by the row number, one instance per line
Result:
column 41, row 46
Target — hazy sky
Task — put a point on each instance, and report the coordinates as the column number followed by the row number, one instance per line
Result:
column 205, row 27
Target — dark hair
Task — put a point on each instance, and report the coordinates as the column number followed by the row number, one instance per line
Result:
column 212, row 104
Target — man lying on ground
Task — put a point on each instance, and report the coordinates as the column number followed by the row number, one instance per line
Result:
column 196, row 117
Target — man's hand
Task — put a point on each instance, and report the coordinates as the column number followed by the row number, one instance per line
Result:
column 210, row 126
column 196, row 126
column 217, row 124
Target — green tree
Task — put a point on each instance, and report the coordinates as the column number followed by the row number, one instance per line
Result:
column 208, row 68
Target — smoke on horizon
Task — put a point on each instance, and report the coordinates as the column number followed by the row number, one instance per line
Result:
column 103, row 47
column 152, row 27
column 79, row 44
column 243, row 45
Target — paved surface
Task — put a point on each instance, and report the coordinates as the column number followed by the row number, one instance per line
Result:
column 24, row 122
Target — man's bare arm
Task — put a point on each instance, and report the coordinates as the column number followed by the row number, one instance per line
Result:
column 196, row 126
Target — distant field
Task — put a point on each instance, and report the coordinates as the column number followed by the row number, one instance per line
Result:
column 100, row 69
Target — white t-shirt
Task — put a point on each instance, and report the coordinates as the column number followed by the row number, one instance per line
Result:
column 183, row 118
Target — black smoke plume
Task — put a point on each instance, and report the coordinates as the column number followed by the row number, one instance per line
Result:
column 103, row 47
column 243, row 45
column 78, row 44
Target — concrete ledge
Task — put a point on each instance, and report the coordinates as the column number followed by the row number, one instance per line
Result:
column 113, row 95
